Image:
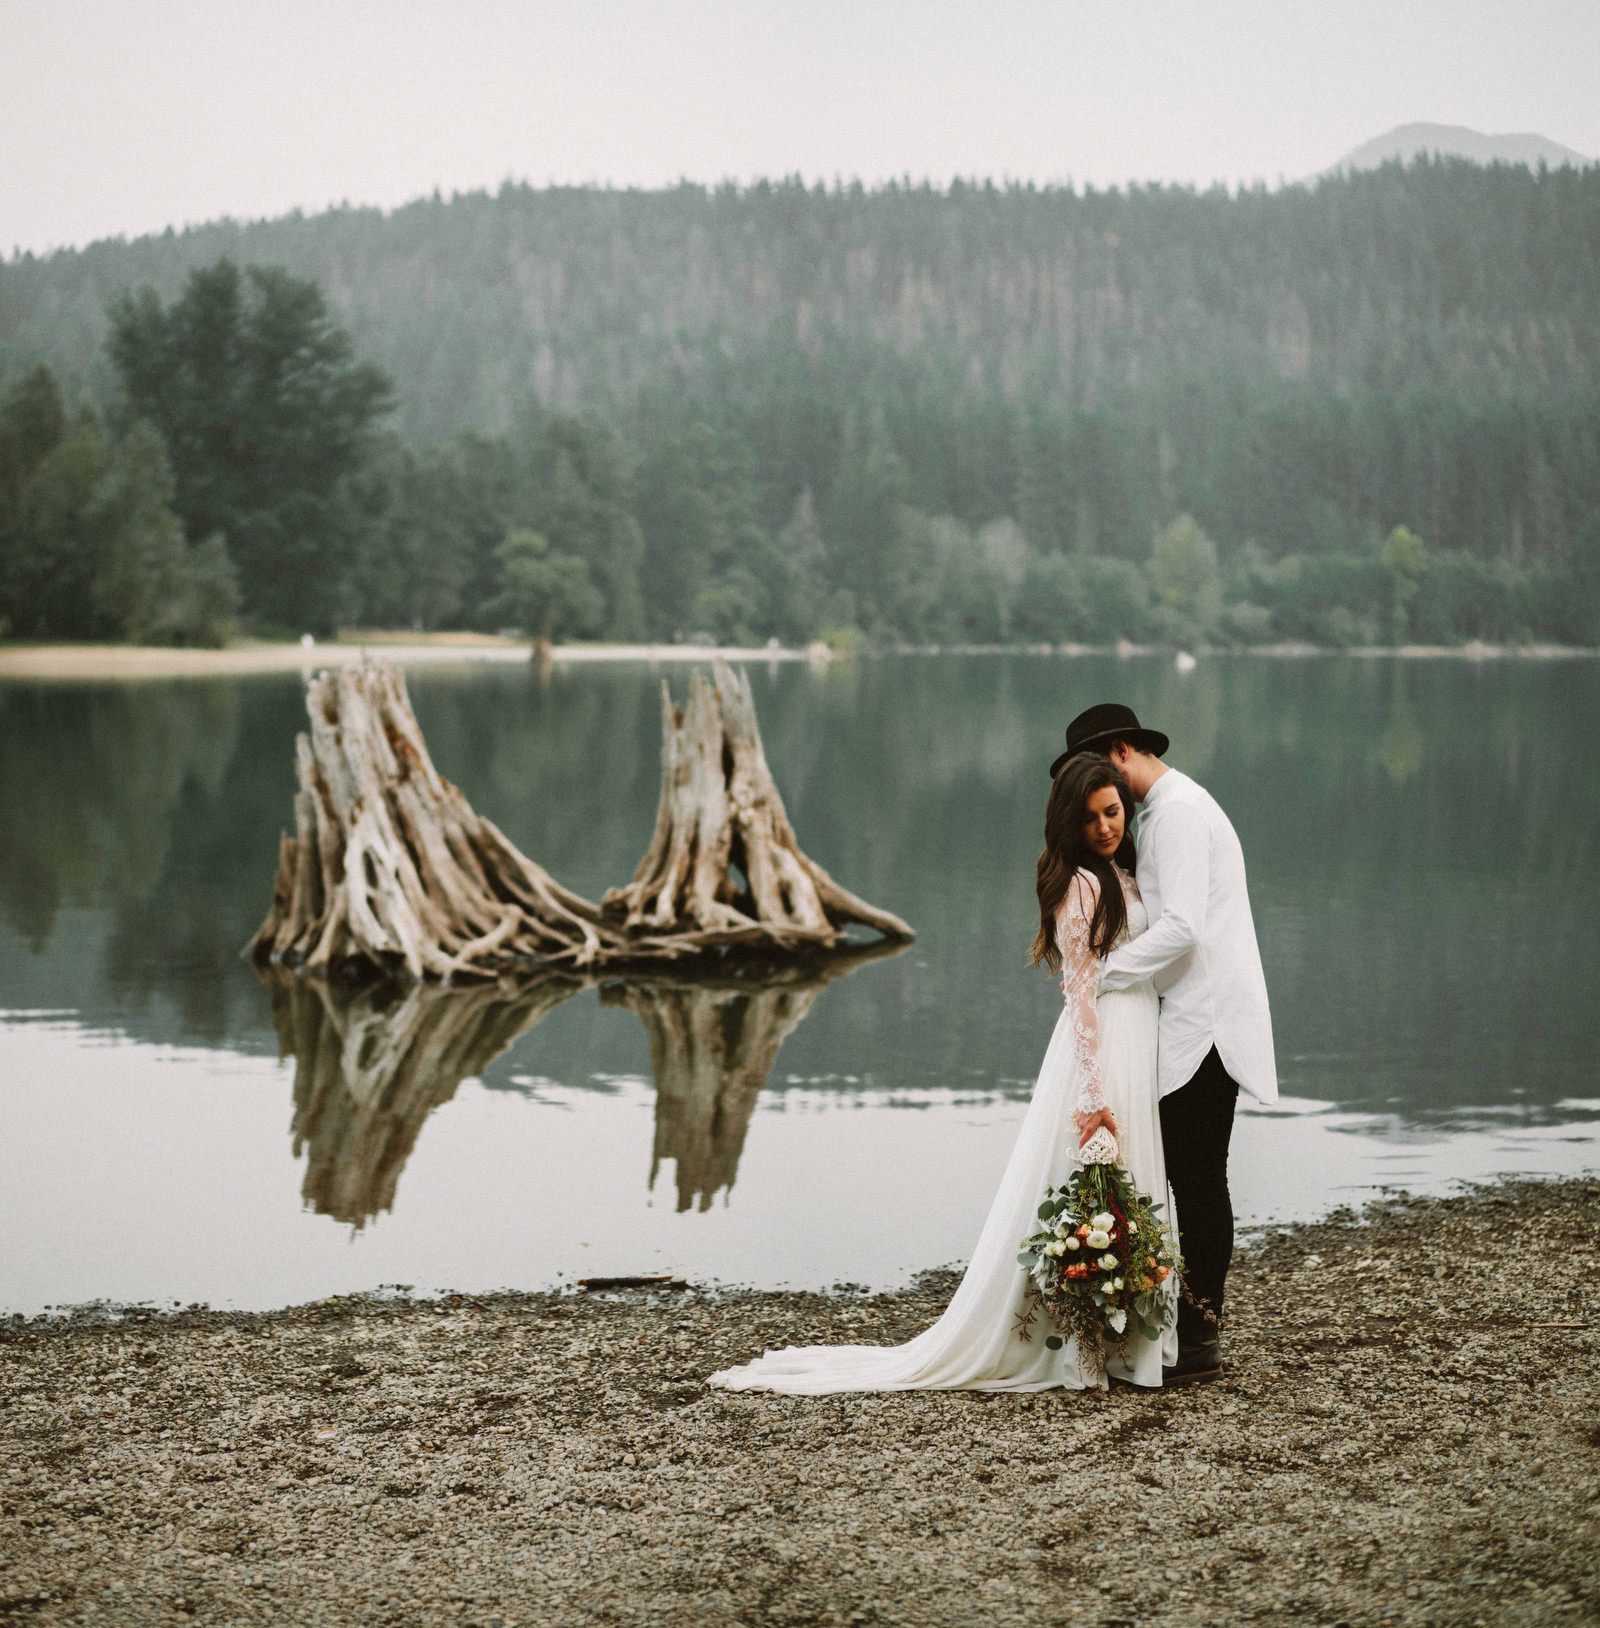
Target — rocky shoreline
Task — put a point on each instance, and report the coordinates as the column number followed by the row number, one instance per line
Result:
column 1408, row 1432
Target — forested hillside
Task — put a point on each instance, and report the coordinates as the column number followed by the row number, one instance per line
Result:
column 951, row 413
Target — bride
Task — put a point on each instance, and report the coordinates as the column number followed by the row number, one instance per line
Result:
column 1100, row 1069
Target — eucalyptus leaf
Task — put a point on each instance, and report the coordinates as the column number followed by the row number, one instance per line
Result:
column 1052, row 1342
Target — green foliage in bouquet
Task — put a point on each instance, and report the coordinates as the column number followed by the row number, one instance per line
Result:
column 1102, row 1262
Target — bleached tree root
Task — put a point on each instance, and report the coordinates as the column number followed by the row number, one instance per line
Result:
column 724, row 867
column 389, row 865
column 391, row 869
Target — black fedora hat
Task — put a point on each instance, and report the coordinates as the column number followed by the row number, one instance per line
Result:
column 1099, row 726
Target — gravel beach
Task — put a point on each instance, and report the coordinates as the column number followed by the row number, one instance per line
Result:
column 1408, row 1432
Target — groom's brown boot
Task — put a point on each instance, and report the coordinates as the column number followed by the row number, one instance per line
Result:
column 1195, row 1365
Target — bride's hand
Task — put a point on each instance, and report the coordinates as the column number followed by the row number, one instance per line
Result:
column 1087, row 1127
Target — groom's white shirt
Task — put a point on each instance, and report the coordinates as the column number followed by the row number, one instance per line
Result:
column 1200, row 948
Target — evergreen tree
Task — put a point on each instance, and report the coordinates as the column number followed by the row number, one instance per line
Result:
column 148, row 587
column 709, row 565
column 90, row 547
column 265, row 414
column 804, row 552
column 581, row 501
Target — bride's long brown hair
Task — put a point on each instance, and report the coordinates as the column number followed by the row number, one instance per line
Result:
column 1066, row 853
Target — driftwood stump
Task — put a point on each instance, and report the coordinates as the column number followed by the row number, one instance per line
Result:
column 724, row 867
column 390, row 869
column 372, row 1063
column 390, row 866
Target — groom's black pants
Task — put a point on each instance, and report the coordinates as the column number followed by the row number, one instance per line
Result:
column 1196, row 1125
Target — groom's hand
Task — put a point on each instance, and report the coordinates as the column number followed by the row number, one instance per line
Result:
column 1087, row 1127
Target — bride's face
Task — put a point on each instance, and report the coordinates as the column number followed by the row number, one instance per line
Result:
column 1104, row 828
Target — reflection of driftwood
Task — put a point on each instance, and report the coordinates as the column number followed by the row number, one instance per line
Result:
column 372, row 1064
column 390, row 865
column 724, row 866
column 713, row 1044
column 374, row 1060
column 711, row 1052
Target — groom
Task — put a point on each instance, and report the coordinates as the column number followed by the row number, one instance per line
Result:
column 1215, row 1033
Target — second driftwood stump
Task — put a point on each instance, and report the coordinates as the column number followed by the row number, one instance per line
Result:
column 724, row 866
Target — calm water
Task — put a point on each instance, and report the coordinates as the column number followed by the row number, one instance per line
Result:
column 1424, row 850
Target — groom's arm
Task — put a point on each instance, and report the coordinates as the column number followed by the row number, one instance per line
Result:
column 1182, row 852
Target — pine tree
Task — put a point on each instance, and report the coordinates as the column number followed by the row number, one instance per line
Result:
column 265, row 414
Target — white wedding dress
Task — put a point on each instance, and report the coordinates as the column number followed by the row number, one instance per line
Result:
column 1103, row 1051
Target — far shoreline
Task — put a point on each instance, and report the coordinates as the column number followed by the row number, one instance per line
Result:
column 252, row 657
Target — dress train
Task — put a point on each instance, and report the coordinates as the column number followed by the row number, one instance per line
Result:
column 976, row 1345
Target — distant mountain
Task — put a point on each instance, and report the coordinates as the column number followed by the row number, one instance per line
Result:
column 1409, row 141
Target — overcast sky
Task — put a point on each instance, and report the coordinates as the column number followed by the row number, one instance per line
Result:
column 126, row 116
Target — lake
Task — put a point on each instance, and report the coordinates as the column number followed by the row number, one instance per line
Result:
column 1423, row 841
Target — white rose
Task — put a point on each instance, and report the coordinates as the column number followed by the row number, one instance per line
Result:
column 1116, row 1283
column 1103, row 1222
column 1072, row 1243
column 1099, row 1238
column 1054, row 1249
column 1108, row 1263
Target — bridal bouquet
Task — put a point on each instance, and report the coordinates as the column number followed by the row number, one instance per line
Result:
column 1103, row 1260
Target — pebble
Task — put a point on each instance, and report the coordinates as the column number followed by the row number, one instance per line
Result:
column 1387, row 1446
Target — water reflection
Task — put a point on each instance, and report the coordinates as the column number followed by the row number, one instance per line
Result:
column 713, row 1044
column 1400, row 747
column 711, row 1052
column 373, row 1061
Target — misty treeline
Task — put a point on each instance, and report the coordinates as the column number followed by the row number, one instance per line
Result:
column 1361, row 411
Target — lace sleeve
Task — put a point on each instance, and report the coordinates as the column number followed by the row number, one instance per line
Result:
column 1080, row 979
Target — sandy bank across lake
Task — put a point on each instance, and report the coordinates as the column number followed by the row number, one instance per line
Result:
column 110, row 661
column 119, row 661
column 1408, row 1432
